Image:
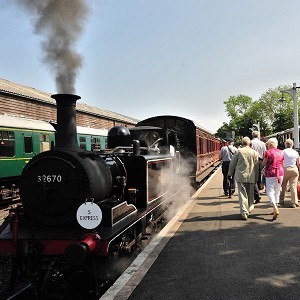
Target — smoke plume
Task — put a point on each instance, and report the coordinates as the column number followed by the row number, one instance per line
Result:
column 60, row 23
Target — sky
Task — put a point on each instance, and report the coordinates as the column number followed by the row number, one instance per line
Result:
column 143, row 58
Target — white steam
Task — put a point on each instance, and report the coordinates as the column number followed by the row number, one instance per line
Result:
column 185, row 189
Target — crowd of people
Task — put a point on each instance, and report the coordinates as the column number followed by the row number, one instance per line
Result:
column 256, row 166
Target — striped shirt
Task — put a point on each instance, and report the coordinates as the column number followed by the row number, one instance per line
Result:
column 226, row 154
column 259, row 147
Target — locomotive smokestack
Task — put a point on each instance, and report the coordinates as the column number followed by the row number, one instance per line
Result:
column 66, row 132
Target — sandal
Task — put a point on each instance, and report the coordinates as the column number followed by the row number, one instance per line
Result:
column 275, row 214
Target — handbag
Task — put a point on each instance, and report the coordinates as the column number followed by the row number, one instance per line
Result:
column 262, row 181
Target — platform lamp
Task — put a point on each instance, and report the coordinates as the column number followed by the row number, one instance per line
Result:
column 293, row 93
column 281, row 100
column 257, row 126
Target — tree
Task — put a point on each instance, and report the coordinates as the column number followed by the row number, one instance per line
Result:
column 282, row 122
column 278, row 114
column 222, row 131
column 272, row 114
column 237, row 105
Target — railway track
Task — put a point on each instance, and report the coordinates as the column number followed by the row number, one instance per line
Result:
column 9, row 202
column 24, row 290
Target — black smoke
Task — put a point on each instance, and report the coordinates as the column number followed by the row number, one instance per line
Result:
column 60, row 23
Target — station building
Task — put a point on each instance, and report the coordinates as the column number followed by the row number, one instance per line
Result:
column 28, row 102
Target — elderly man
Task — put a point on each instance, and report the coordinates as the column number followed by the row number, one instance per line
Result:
column 226, row 154
column 245, row 165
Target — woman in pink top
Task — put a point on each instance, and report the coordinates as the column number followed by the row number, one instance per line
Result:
column 273, row 163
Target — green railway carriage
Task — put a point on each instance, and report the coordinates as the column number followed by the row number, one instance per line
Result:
column 91, row 139
column 22, row 138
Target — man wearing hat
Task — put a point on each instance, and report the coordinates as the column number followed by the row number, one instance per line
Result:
column 226, row 154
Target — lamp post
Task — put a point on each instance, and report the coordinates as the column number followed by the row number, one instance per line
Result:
column 293, row 93
column 256, row 126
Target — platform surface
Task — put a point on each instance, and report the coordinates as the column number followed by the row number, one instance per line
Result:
column 207, row 252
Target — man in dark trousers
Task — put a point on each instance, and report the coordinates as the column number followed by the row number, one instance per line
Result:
column 226, row 154
column 260, row 148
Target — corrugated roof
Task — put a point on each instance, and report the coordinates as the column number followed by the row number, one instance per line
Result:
column 12, row 88
column 10, row 121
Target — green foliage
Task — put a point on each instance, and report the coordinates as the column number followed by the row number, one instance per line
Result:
column 282, row 122
column 272, row 114
column 237, row 105
column 222, row 131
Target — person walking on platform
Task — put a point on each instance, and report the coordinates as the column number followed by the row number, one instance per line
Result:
column 245, row 165
column 291, row 166
column 260, row 147
column 226, row 155
column 273, row 163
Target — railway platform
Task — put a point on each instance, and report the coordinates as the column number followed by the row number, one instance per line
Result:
column 208, row 252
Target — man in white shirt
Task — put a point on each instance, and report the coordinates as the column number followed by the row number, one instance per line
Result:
column 226, row 154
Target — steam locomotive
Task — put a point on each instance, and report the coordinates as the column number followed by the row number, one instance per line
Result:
column 81, row 210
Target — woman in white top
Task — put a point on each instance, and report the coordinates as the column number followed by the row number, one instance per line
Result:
column 290, row 165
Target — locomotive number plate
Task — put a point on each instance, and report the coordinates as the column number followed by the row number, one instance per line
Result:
column 49, row 178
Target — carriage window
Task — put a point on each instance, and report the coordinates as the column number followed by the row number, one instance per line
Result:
column 28, row 147
column 44, row 137
column 82, row 142
column 11, row 135
column 201, row 145
column 95, row 144
column 44, row 142
column 5, row 135
column 7, row 143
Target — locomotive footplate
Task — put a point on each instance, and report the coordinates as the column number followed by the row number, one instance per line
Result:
column 56, row 240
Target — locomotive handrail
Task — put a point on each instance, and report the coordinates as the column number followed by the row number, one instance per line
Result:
column 152, row 145
column 124, row 148
column 131, row 147
column 118, row 148
column 53, row 157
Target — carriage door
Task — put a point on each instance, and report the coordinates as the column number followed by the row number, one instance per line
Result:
column 27, row 145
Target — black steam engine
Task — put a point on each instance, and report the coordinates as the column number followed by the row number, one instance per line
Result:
column 81, row 210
